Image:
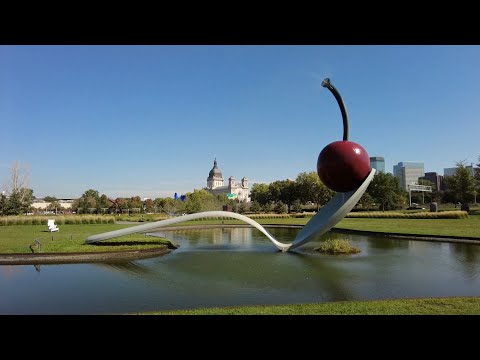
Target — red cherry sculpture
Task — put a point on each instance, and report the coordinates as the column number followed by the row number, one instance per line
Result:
column 342, row 165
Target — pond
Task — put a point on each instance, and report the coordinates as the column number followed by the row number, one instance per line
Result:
column 240, row 266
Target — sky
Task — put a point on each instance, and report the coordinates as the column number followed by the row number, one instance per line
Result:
column 149, row 120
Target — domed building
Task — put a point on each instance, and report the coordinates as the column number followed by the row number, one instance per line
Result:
column 215, row 185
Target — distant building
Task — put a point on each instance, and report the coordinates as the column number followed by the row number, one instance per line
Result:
column 215, row 185
column 408, row 172
column 436, row 179
column 378, row 163
column 40, row 204
column 452, row 171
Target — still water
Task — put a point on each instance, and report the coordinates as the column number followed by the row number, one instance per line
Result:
column 240, row 266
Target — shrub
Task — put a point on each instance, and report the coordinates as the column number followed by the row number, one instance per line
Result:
column 417, row 215
column 337, row 246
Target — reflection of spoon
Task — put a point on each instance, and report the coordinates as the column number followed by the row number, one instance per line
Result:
column 329, row 215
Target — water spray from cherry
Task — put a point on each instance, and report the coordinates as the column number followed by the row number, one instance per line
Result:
column 342, row 165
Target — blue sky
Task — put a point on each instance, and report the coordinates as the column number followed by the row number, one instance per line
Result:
column 149, row 120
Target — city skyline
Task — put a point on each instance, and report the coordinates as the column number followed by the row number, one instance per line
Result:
column 149, row 120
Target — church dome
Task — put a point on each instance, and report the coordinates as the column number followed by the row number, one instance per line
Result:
column 215, row 172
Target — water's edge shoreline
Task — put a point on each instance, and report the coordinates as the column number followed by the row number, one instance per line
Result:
column 88, row 257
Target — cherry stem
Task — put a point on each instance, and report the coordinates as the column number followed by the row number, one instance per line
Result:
column 326, row 83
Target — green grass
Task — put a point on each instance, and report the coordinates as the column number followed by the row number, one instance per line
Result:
column 337, row 246
column 71, row 238
column 428, row 306
column 469, row 227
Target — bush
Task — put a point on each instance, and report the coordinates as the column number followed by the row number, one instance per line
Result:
column 337, row 246
column 416, row 215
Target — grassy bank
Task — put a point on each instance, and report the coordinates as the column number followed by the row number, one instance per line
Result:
column 71, row 238
column 429, row 306
column 469, row 227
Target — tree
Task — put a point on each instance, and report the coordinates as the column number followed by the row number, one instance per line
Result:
column 279, row 207
column 19, row 196
column 91, row 201
column 462, row 183
column 149, row 205
column 19, row 202
column 366, row 201
column 260, row 193
column 284, row 191
column 121, row 204
column 297, row 206
column 103, row 202
column 386, row 191
column 201, row 200
column 310, row 188
column 54, row 206
column 266, row 208
column 242, row 208
column 135, row 202
column 3, row 204
column 255, row 207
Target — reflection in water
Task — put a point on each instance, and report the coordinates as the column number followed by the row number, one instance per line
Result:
column 468, row 258
column 239, row 266
column 386, row 245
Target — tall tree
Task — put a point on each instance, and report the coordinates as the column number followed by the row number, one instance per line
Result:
column 260, row 193
column 201, row 200
column 311, row 188
column 19, row 202
column 3, row 204
column 386, row 191
column 103, row 202
column 462, row 183
column 149, row 205
column 135, row 202
column 88, row 202
column 284, row 191
column 366, row 201
column 19, row 196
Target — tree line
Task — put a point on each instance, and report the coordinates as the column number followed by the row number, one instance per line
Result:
column 383, row 193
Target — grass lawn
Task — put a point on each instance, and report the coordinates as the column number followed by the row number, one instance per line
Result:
column 71, row 238
column 469, row 227
column 429, row 306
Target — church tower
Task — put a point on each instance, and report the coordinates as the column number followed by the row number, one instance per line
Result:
column 244, row 183
column 215, row 177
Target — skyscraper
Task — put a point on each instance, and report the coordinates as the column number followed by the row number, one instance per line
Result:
column 452, row 171
column 378, row 163
column 408, row 172
column 436, row 179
